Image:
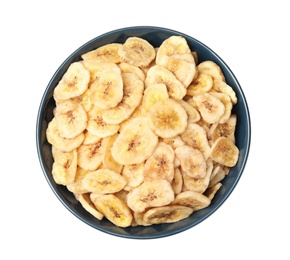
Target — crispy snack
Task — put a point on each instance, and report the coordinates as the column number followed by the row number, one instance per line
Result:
column 143, row 135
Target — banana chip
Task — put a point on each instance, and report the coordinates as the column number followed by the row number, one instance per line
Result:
column 141, row 134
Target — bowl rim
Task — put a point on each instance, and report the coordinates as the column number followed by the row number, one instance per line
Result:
column 41, row 112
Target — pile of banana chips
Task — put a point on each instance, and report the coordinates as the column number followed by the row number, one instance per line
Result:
column 143, row 135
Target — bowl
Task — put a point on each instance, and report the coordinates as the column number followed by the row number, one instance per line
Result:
column 155, row 35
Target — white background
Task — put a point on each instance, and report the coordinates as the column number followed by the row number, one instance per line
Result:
column 252, row 37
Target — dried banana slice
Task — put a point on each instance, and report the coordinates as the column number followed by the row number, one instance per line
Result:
column 135, row 143
column 73, row 83
column 210, row 107
column 226, row 100
column 152, row 94
column 160, row 165
column 198, row 184
column 225, row 152
column 195, row 136
column 192, row 113
column 104, row 181
column 211, row 191
column 212, row 69
column 71, row 118
column 61, row 143
column 226, row 129
column 159, row 74
column 133, row 89
column 192, row 161
column 97, row 126
column 217, row 176
column 192, row 199
column 134, row 173
column 183, row 70
column 90, row 155
column 107, row 90
column 128, row 68
column 107, row 158
column 89, row 206
column 201, row 84
column 172, row 46
column 105, row 53
column 90, row 138
column 77, row 187
column 223, row 87
column 84, row 100
column 114, row 209
column 167, row 118
column 150, row 194
column 64, row 166
column 167, row 214
column 137, row 51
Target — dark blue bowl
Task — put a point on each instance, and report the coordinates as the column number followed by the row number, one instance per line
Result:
column 155, row 35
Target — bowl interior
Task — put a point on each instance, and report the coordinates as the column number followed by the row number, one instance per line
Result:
column 155, row 35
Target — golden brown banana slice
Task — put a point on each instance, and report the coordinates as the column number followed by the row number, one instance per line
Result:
column 114, row 209
column 159, row 74
column 77, row 187
column 84, row 100
column 104, row 181
column 89, row 206
column 217, row 176
column 128, row 68
column 167, row 214
column 196, row 136
column 210, row 107
column 61, row 143
column 183, row 70
column 107, row 90
column 211, row 191
column 201, row 84
column 226, row 129
column 90, row 138
column 64, row 166
column 90, row 155
column 212, row 69
column 225, row 152
column 71, row 118
column 192, row 113
column 137, row 51
column 152, row 94
column 138, row 219
column 105, row 53
column 226, row 100
column 107, row 159
column 167, row 118
column 160, row 165
column 150, row 194
column 172, row 46
column 97, row 126
column 174, row 142
column 135, row 143
column 134, row 173
column 132, row 95
column 192, row 161
column 222, row 87
column 198, row 184
column 192, row 199
column 73, row 83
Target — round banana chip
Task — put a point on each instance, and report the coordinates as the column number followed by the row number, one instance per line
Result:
column 135, row 143
column 167, row 118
